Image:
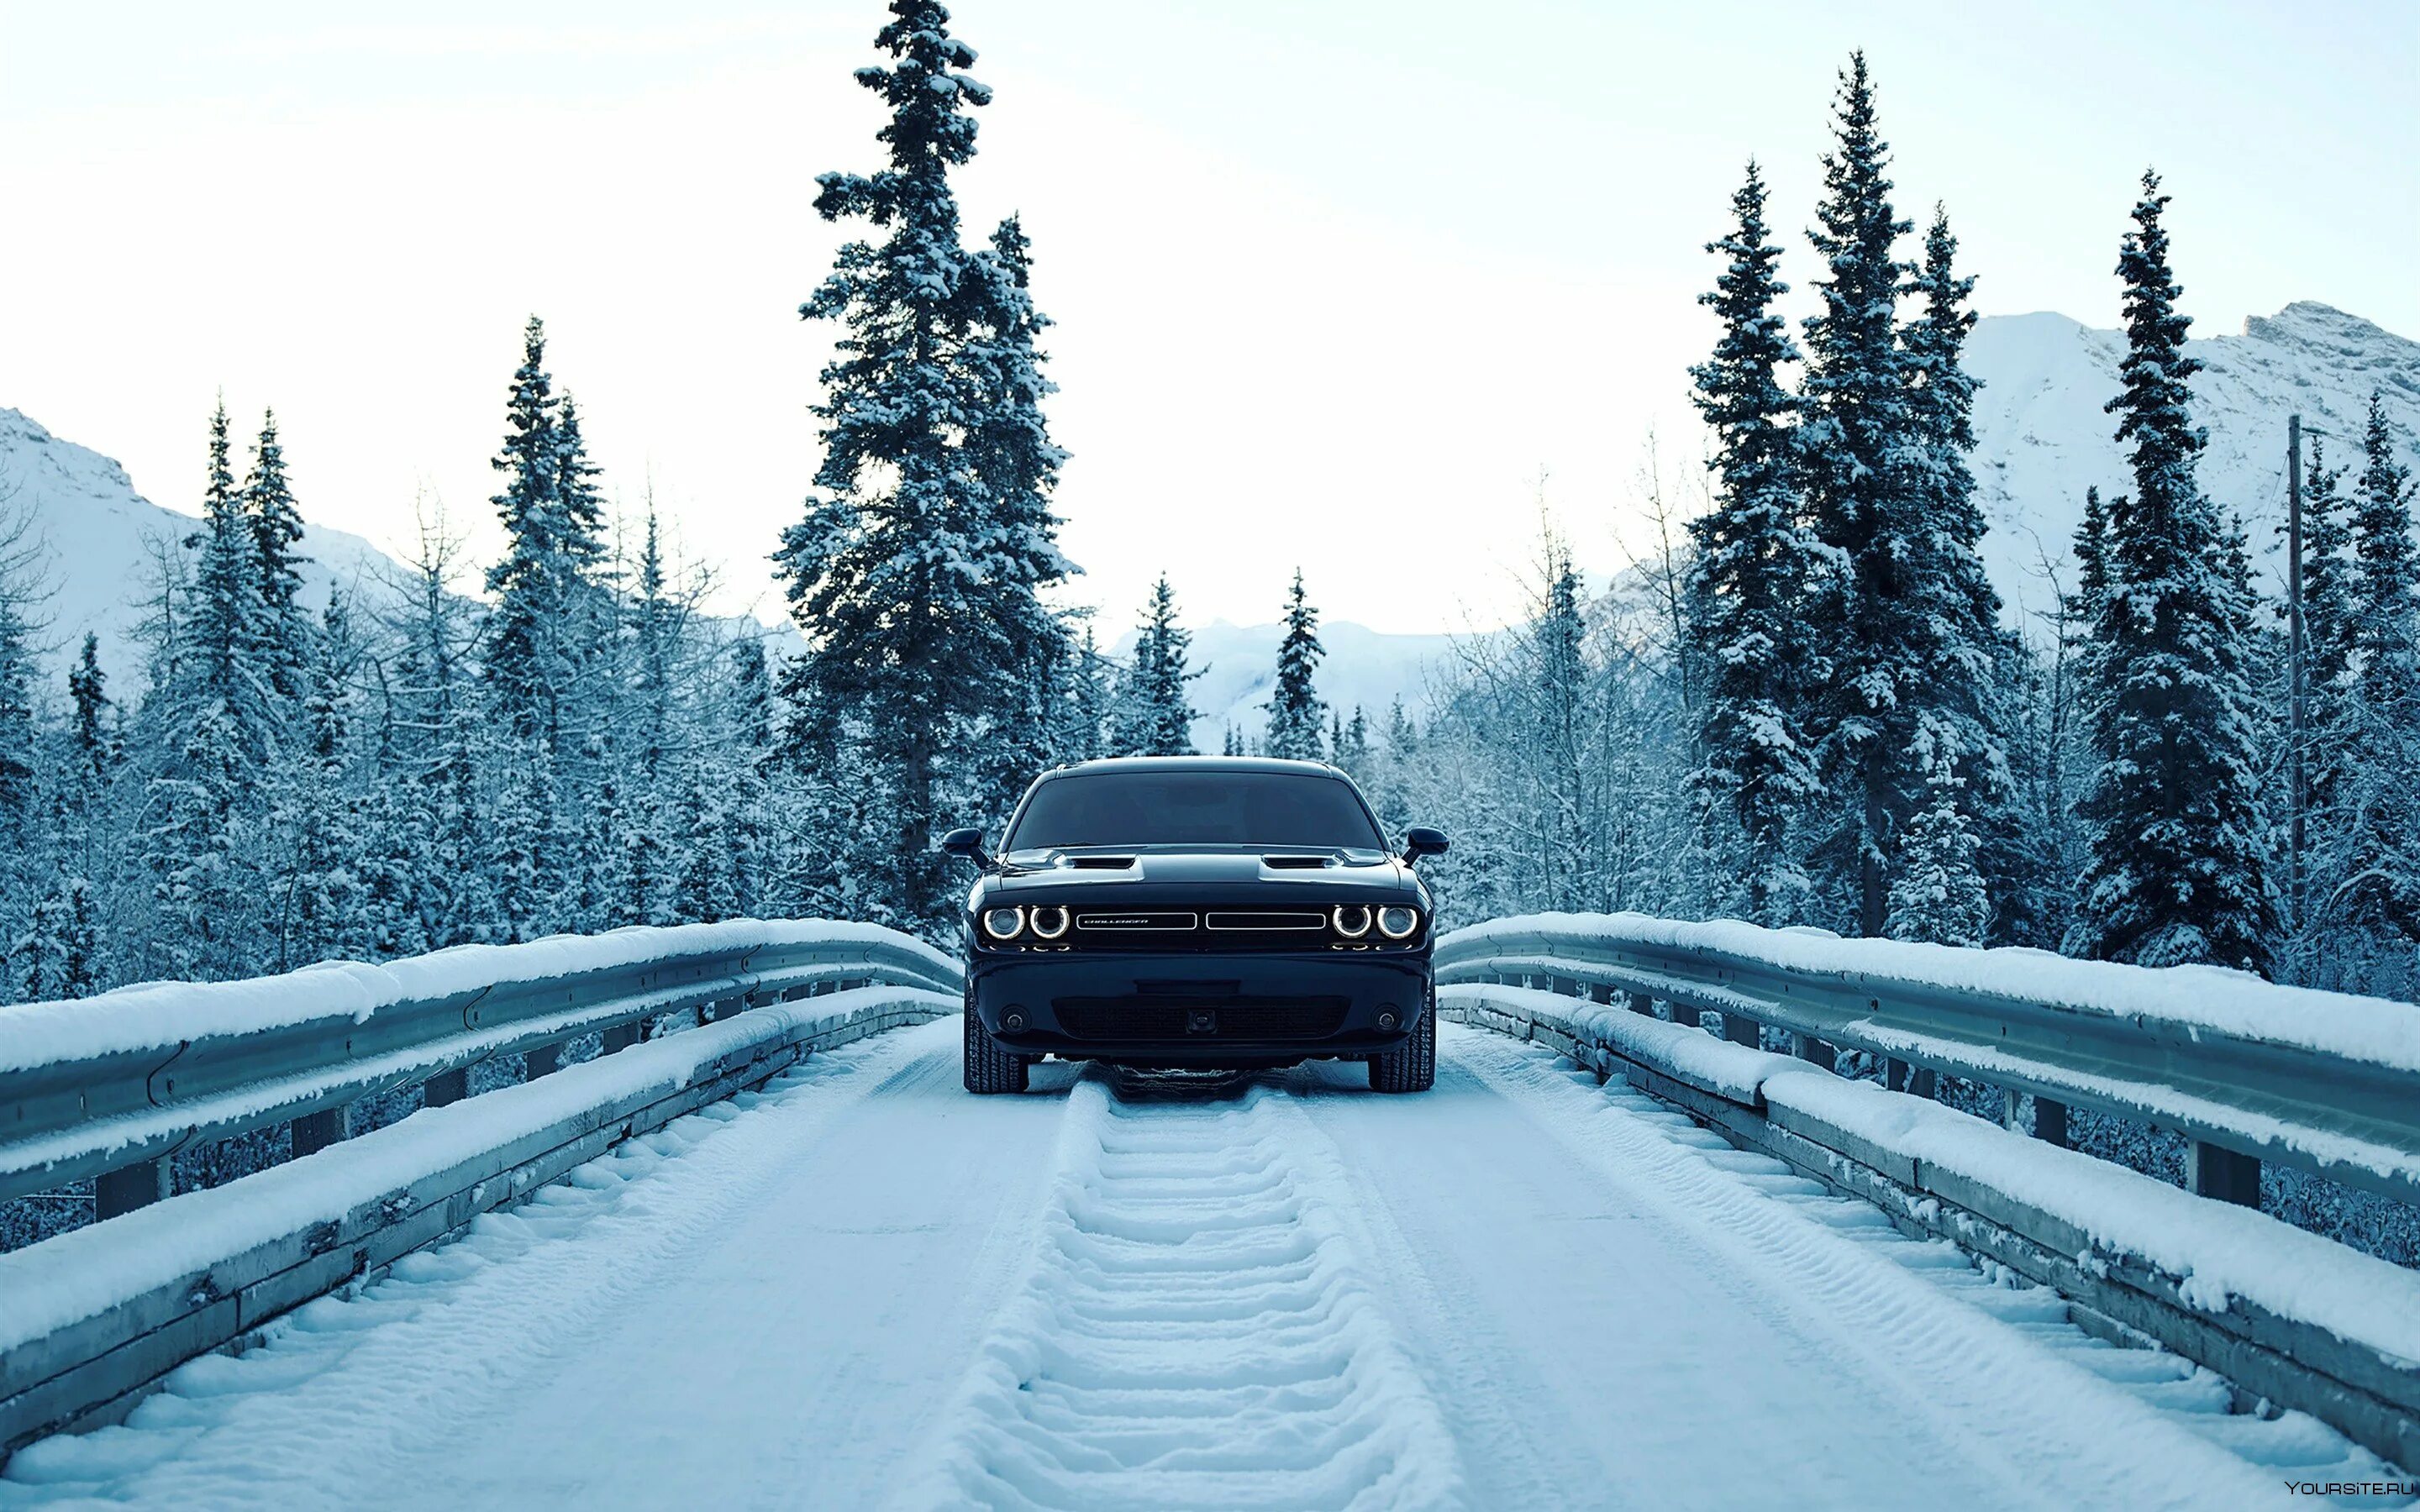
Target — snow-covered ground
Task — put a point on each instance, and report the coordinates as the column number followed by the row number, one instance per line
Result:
column 863, row 1285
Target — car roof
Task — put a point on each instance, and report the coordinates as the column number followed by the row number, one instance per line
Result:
column 1194, row 763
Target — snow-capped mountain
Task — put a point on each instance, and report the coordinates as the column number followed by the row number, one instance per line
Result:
column 103, row 537
column 2041, row 436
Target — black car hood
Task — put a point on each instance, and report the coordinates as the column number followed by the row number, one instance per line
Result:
column 1296, row 871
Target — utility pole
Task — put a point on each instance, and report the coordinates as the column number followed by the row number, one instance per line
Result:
column 2294, row 656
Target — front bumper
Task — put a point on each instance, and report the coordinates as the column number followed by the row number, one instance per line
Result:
column 1142, row 1008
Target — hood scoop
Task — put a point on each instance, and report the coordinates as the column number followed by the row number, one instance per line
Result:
column 1101, row 863
column 1298, row 863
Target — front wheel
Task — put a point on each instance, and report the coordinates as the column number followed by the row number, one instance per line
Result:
column 990, row 1066
column 1410, row 1067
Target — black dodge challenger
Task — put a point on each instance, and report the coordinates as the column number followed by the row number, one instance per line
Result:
column 1196, row 911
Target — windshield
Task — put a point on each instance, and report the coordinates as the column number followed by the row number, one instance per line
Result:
column 1195, row 808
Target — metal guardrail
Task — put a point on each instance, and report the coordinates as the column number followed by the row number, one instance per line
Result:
column 2239, row 1099
column 92, row 1319
column 142, row 1085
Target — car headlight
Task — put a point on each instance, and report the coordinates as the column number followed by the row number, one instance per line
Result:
column 1352, row 920
column 1003, row 923
column 1049, row 923
column 1397, row 921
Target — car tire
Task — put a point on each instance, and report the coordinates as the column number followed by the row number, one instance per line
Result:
column 990, row 1066
column 1410, row 1067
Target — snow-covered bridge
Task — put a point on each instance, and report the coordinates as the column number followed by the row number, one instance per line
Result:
column 1625, row 1252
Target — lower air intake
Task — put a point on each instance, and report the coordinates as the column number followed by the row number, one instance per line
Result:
column 1159, row 1018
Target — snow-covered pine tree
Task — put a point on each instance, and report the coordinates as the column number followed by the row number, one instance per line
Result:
column 211, row 734
column 527, row 663
column 2327, row 635
column 1563, row 781
column 914, row 571
column 1964, row 666
column 749, row 821
column 95, row 738
column 655, row 633
column 20, row 775
column 1010, row 447
column 1937, row 894
column 1352, row 740
column 277, row 536
column 1153, row 716
column 2179, row 871
column 1085, row 718
column 433, row 883
column 1746, row 593
column 1855, row 454
column 2376, row 880
column 229, row 625
column 321, row 910
column 1295, row 704
column 1397, row 752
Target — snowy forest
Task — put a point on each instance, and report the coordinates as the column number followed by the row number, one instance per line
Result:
column 1803, row 706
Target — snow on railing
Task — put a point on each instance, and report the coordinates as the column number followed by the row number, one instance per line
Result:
column 110, row 1086
column 2245, row 1070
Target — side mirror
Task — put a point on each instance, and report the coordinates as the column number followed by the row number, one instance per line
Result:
column 1421, row 840
column 967, row 844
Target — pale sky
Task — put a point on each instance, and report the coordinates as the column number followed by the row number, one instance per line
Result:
column 1334, row 283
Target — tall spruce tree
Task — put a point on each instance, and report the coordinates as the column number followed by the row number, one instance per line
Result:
column 1155, row 717
column 531, row 658
column 1855, row 451
column 277, row 536
column 1962, row 667
column 2179, row 872
column 2329, row 746
column 1749, row 581
column 2376, row 882
column 95, row 743
column 1295, row 708
column 914, row 572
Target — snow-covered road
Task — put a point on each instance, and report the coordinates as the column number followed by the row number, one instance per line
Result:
column 864, row 1287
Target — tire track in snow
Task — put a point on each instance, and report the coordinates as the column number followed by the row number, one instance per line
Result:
column 1969, row 1379
column 1196, row 1331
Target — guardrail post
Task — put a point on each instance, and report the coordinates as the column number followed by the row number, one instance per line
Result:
column 1813, row 1051
column 1687, row 1018
column 445, row 1086
column 543, row 1062
column 2050, row 1123
column 1741, row 1030
column 1601, row 991
column 315, row 1132
column 623, row 1036
column 129, row 1187
column 1643, row 1003
column 2213, row 1172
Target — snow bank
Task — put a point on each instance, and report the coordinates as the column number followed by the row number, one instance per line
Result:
column 2216, row 1249
column 2193, row 998
column 79, row 1274
column 155, row 1015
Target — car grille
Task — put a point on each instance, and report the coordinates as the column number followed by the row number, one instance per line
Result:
column 1213, row 930
column 1234, row 1018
